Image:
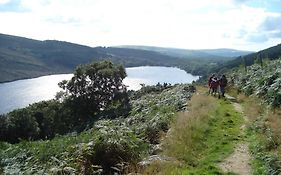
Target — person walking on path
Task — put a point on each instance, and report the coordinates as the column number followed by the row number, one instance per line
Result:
column 214, row 86
column 209, row 82
column 222, row 84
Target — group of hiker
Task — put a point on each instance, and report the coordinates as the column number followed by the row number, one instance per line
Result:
column 217, row 85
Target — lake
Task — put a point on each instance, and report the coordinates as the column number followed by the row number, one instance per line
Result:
column 21, row 93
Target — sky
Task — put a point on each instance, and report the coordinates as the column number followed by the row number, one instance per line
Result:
column 250, row 25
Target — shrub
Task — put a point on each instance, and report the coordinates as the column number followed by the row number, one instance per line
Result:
column 113, row 148
column 21, row 125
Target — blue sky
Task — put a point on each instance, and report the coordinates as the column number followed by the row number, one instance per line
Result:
column 191, row 24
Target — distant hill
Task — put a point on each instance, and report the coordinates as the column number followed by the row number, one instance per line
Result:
column 226, row 52
column 24, row 58
column 190, row 54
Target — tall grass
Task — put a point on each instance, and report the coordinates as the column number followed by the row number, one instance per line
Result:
column 264, row 136
column 188, row 129
column 274, row 122
column 253, row 107
column 200, row 137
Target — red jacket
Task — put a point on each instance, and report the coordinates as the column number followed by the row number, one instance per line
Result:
column 214, row 83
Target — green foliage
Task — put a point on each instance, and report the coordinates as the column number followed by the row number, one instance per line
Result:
column 271, row 53
column 267, row 86
column 204, row 137
column 114, row 148
column 94, row 87
column 266, row 161
column 42, row 120
column 264, row 140
column 110, row 146
column 19, row 124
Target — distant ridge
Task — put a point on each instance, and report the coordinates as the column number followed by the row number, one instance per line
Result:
column 193, row 53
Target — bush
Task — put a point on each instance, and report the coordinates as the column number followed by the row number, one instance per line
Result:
column 113, row 149
column 21, row 125
column 267, row 86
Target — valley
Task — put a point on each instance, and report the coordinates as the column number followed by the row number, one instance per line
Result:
column 95, row 126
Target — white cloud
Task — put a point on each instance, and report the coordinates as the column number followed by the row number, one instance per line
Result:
column 4, row 2
column 172, row 23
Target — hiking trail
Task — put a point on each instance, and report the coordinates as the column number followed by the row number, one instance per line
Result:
column 239, row 161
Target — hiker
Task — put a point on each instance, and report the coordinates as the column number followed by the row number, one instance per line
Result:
column 222, row 84
column 209, row 82
column 214, row 85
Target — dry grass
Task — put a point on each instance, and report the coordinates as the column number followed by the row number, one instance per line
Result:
column 253, row 108
column 274, row 122
column 182, row 142
column 232, row 91
column 265, row 124
column 200, row 137
column 188, row 127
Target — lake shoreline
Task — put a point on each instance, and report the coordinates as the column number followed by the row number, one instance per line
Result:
column 69, row 72
column 21, row 93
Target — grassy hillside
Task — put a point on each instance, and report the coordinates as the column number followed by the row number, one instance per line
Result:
column 258, row 88
column 260, row 81
column 109, row 145
column 200, row 138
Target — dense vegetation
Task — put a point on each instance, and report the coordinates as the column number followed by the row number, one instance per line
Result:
column 271, row 53
column 200, row 138
column 264, row 135
column 104, row 137
column 25, row 58
column 95, row 89
column 94, row 126
column 267, row 86
column 258, row 88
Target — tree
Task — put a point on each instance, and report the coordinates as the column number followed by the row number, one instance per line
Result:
column 21, row 125
column 94, row 87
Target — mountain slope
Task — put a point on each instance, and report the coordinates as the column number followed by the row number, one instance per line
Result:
column 25, row 58
column 271, row 53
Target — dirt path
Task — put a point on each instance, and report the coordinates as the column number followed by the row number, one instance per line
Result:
column 239, row 161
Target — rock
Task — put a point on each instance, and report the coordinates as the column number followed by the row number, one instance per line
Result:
column 153, row 158
column 156, row 149
column 230, row 98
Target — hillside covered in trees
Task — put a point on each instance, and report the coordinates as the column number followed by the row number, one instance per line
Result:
column 271, row 53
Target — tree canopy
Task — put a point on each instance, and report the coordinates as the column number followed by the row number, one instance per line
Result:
column 95, row 86
column 95, row 90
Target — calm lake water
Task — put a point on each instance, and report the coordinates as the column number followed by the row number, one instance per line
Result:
column 21, row 93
